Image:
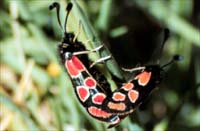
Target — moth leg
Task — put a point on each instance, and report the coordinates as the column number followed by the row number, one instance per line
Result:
column 133, row 69
column 101, row 60
column 88, row 51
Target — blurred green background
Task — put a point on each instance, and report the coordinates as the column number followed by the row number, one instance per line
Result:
column 36, row 93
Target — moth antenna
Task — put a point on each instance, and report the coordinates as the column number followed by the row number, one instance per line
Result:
column 175, row 58
column 68, row 9
column 57, row 6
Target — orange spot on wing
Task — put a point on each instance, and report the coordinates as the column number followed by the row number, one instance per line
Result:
column 128, row 86
column 143, row 78
column 117, row 96
column 94, row 111
column 117, row 106
column 133, row 95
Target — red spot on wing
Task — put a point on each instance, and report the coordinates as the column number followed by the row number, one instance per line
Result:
column 90, row 82
column 117, row 96
column 128, row 86
column 83, row 93
column 71, row 69
column 117, row 106
column 133, row 95
column 78, row 64
column 143, row 78
column 94, row 111
column 98, row 98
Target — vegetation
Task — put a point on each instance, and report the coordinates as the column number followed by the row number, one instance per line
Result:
column 36, row 93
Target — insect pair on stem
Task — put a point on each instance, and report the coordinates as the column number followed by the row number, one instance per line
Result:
column 91, row 86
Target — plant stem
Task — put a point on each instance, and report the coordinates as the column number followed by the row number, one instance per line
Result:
column 95, row 41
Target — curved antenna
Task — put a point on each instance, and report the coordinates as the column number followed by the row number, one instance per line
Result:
column 57, row 6
column 68, row 9
column 175, row 58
